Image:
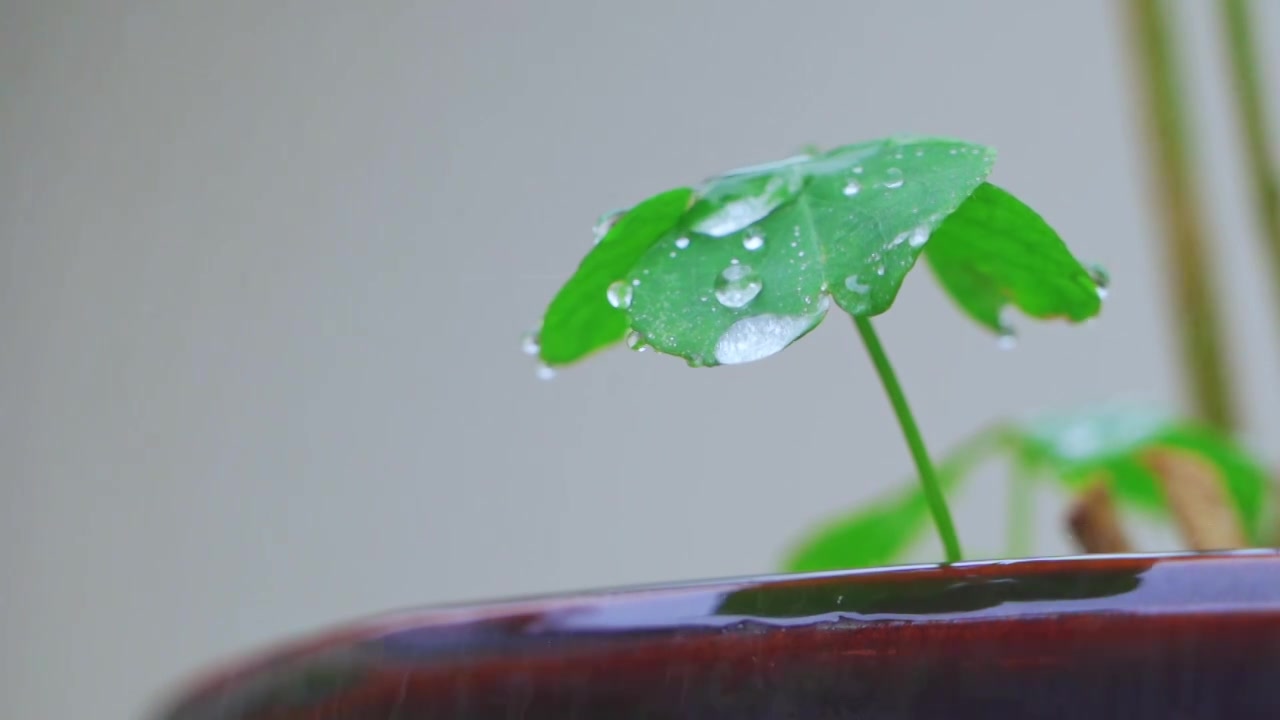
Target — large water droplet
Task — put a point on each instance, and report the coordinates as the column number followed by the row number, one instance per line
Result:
column 737, row 286
column 753, row 240
column 893, row 178
column 530, row 344
column 605, row 223
column 758, row 337
column 682, row 243
column 544, row 372
column 619, row 294
column 735, row 202
column 851, row 188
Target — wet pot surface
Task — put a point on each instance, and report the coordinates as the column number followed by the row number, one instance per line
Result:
column 1160, row 637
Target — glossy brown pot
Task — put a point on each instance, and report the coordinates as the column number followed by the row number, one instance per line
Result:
column 1165, row 637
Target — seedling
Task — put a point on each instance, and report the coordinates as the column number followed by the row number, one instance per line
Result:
column 1124, row 450
column 741, row 267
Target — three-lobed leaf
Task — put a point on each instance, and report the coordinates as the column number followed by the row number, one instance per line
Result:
column 750, row 262
column 742, row 284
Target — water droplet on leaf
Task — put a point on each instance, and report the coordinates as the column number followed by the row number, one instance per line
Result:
column 853, row 285
column 1101, row 279
column 735, row 203
column 529, row 343
column 605, row 223
column 619, row 295
column 758, row 337
column 737, row 286
column 893, row 178
column 633, row 339
column 919, row 236
column 682, row 243
column 1008, row 337
column 851, row 188
column 753, row 240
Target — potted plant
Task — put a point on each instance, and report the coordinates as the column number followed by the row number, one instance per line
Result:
column 736, row 270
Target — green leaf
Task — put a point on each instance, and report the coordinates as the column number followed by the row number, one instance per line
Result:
column 1110, row 443
column 751, row 267
column 875, row 534
column 994, row 251
column 580, row 320
column 751, row 262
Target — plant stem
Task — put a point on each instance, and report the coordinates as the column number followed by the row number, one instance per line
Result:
column 1252, row 111
column 915, row 442
column 1196, row 316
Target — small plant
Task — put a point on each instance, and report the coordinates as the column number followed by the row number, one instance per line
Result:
column 741, row 267
column 1151, row 464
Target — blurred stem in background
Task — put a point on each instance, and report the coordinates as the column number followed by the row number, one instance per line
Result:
column 1251, row 110
column 1197, row 316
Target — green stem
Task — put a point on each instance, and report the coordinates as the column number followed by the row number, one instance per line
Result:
column 1252, row 111
column 1196, row 316
column 915, row 442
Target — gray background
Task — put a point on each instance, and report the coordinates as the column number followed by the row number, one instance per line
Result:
column 266, row 264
